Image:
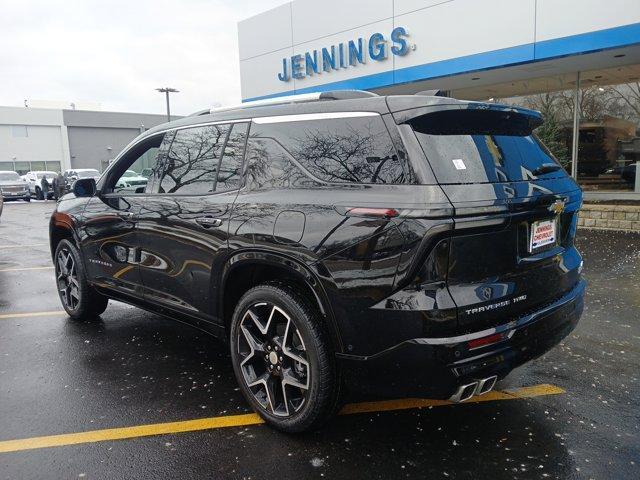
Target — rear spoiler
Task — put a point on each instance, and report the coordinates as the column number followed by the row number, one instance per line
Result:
column 402, row 114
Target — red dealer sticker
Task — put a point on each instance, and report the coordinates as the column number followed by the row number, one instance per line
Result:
column 542, row 233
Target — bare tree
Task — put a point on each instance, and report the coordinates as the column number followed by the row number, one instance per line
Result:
column 193, row 157
column 362, row 155
column 629, row 96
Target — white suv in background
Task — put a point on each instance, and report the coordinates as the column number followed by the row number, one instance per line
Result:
column 34, row 178
column 131, row 181
column 73, row 174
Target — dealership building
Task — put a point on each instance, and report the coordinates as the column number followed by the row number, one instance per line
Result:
column 546, row 54
column 58, row 139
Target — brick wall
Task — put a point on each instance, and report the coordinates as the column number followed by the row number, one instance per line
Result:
column 610, row 217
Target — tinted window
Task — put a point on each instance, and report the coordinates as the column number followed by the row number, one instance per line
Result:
column 486, row 147
column 269, row 166
column 230, row 169
column 123, row 178
column 190, row 166
column 351, row 150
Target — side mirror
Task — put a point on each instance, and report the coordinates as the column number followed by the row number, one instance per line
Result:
column 84, row 187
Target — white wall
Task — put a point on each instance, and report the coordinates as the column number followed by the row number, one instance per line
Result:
column 43, row 143
column 450, row 37
column 561, row 18
column 45, row 140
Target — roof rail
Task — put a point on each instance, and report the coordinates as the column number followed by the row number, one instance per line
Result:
column 301, row 98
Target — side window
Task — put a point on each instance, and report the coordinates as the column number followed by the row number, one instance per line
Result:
column 230, row 170
column 343, row 150
column 269, row 166
column 126, row 178
column 191, row 165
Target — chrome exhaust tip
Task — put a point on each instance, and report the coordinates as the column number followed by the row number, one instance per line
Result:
column 486, row 385
column 479, row 387
column 464, row 392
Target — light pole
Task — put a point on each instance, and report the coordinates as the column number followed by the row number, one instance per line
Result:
column 167, row 91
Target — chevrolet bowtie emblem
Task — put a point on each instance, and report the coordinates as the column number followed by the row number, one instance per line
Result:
column 557, row 207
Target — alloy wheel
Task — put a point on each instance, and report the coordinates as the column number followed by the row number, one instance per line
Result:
column 67, row 279
column 274, row 360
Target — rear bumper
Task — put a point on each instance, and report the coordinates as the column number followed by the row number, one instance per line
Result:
column 436, row 366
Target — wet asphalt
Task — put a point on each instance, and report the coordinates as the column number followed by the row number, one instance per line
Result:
column 134, row 368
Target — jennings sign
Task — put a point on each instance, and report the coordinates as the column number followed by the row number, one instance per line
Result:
column 345, row 55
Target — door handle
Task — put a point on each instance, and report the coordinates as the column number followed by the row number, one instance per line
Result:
column 209, row 222
column 127, row 215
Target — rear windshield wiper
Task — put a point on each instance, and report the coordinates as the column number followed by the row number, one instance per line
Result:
column 546, row 168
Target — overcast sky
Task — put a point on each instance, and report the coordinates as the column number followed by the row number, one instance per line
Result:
column 116, row 52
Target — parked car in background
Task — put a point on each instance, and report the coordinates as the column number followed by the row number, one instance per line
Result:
column 131, row 181
column 12, row 186
column 72, row 175
column 34, row 178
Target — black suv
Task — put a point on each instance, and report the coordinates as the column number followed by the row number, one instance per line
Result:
column 342, row 241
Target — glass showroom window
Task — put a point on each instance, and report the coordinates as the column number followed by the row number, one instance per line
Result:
column 35, row 166
column 608, row 120
column 609, row 144
column 22, row 167
column 53, row 166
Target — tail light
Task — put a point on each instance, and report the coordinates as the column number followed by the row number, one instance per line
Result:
column 372, row 212
column 484, row 341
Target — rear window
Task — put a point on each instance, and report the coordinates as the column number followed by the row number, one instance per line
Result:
column 349, row 149
column 482, row 147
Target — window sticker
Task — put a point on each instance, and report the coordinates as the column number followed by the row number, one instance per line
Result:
column 459, row 164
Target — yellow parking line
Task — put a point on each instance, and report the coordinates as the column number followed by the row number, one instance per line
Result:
column 22, row 269
column 129, row 432
column 408, row 403
column 31, row 314
column 250, row 419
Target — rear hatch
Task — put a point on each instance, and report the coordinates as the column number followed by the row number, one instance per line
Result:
column 515, row 211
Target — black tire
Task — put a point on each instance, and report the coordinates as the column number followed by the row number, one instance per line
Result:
column 27, row 199
column 39, row 194
column 79, row 299
column 299, row 409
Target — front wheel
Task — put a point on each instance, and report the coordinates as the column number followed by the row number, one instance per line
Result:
column 282, row 358
column 78, row 298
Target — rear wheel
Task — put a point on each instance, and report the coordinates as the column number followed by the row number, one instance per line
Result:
column 39, row 195
column 78, row 298
column 282, row 358
column 27, row 199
